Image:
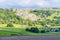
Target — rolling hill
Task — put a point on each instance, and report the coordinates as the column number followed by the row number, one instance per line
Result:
column 38, row 17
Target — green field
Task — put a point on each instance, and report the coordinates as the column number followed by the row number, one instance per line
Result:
column 19, row 31
column 16, row 31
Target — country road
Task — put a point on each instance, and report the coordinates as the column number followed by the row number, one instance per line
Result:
column 47, row 37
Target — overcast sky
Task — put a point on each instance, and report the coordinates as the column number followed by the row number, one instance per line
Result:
column 29, row 3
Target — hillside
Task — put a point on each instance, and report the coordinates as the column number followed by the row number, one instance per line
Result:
column 29, row 21
column 38, row 17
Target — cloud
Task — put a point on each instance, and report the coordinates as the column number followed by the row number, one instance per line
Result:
column 42, row 3
column 22, row 2
column 30, row 3
column 1, row 1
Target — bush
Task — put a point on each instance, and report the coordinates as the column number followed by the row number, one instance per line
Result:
column 33, row 29
column 10, row 25
column 42, row 31
column 27, row 29
column 47, row 30
column 36, row 30
column 56, row 30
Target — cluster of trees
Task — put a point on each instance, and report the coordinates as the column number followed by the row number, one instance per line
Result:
column 42, row 30
column 47, row 13
column 7, row 15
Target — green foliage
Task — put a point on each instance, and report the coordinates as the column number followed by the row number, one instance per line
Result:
column 33, row 29
column 7, row 15
column 48, row 18
column 10, row 25
column 42, row 31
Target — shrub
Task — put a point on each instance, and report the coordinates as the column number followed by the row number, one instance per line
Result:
column 10, row 25
column 33, row 29
column 36, row 30
column 47, row 30
column 56, row 30
column 42, row 31
column 27, row 29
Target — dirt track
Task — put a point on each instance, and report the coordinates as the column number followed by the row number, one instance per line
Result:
column 48, row 37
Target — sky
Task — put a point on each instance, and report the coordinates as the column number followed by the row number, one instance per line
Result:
column 29, row 3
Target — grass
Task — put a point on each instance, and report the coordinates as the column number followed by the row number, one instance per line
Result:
column 20, row 31
column 17, row 30
column 22, row 26
column 15, row 25
column 3, row 25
